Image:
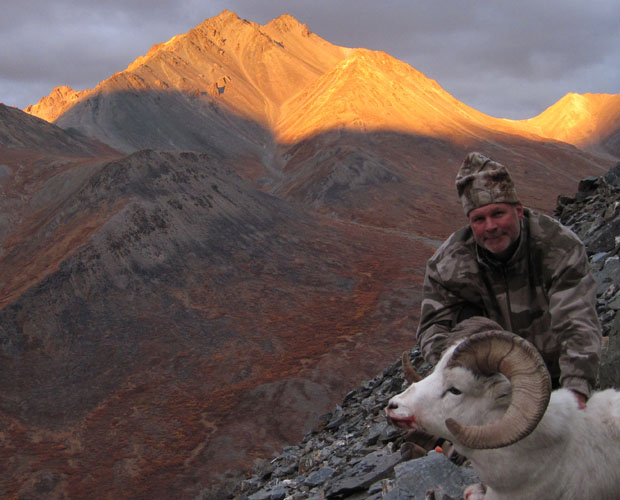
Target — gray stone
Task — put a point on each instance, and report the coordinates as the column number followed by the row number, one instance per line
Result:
column 376, row 487
column 606, row 276
column 370, row 469
column 609, row 374
column 390, row 433
column 319, row 477
column 598, row 256
column 614, row 304
column 413, row 479
column 277, row 493
column 588, row 184
column 604, row 239
column 284, row 469
column 336, row 420
column 375, row 431
column 612, row 177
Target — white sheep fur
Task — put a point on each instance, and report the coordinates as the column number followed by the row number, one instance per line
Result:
column 572, row 454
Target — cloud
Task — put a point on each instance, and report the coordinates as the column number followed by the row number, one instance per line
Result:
column 505, row 58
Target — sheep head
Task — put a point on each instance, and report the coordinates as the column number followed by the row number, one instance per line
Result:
column 488, row 391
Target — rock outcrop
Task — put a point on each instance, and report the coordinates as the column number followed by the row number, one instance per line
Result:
column 355, row 454
column 594, row 214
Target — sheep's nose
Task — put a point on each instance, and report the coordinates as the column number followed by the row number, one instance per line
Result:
column 392, row 405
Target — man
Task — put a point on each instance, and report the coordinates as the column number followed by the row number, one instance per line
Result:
column 521, row 269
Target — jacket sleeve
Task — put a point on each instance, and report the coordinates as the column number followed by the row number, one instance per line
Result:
column 572, row 303
column 442, row 308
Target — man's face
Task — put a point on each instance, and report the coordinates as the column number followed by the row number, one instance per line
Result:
column 496, row 226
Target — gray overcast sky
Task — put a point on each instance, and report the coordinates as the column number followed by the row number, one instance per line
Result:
column 506, row 58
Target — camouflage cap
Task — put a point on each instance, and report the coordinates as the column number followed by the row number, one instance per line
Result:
column 482, row 181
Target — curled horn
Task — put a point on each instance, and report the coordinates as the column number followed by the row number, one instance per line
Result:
column 411, row 375
column 500, row 351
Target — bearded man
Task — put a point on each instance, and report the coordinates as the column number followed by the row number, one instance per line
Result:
column 523, row 270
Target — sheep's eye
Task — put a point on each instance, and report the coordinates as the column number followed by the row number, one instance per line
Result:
column 451, row 390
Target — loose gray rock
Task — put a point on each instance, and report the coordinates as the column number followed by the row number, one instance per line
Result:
column 371, row 469
column 319, row 477
column 434, row 472
column 275, row 494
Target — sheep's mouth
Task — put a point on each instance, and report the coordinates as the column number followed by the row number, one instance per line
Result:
column 403, row 423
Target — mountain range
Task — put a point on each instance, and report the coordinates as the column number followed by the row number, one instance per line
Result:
column 206, row 251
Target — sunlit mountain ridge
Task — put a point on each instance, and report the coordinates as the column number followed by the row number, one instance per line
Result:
column 588, row 121
column 286, row 78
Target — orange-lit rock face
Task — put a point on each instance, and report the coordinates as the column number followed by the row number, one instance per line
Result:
column 589, row 121
column 165, row 318
column 54, row 105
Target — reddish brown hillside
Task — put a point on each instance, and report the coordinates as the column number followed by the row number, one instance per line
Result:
column 40, row 165
column 189, row 305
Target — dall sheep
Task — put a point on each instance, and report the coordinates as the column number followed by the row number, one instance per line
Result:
column 490, row 394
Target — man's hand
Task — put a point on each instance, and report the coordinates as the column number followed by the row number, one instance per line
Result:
column 581, row 400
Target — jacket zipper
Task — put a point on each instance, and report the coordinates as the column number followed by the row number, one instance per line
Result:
column 504, row 275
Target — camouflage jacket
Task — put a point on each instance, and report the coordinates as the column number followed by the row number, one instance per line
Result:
column 544, row 293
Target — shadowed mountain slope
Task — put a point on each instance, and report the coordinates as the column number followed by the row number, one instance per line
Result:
column 21, row 131
column 376, row 179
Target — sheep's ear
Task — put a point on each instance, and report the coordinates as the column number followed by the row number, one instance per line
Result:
column 500, row 388
column 411, row 375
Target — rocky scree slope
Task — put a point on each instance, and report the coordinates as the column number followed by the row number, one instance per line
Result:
column 355, row 454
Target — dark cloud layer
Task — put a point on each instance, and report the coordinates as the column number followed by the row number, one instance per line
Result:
column 505, row 58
